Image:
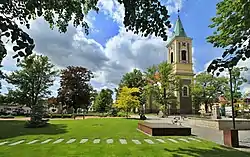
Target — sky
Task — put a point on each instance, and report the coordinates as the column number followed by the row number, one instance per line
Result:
column 110, row 52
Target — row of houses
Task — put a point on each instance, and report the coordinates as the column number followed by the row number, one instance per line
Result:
column 242, row 105
column 14, row 109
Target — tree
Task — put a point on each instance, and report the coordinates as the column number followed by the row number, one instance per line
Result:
column 232, row 23
column 207, row 88
column 32, row 82
column 163, row 83
column 134, row 79
column 145, row 17
column 103, row 101
column 52, row 101
column 75, row 90
column 93, row 94
column 237, row 81
column 16, row 97
column 127, row 99
column 3, row 99
column 1, row 74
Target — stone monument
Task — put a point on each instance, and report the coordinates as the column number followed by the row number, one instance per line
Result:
column 216, row 112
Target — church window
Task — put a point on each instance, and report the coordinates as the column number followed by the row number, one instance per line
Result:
column 185, row 91
column 172, row 57
column 183, row 55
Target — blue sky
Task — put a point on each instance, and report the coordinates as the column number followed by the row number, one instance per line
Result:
column 195, row 15
column 109, row 51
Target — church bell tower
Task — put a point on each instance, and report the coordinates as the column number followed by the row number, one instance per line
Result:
column 179, row 48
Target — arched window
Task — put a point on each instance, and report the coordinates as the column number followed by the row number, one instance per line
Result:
column 172, row 57
column 183, row 55
column 185, row 91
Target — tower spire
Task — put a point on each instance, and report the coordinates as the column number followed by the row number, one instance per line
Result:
column 179, row 29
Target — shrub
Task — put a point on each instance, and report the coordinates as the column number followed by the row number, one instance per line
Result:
column 104, row 114
column 66, row 115
column 7, row 116
column 36, row 124
column 58, row 116
column 93, row 114
column 247, row 116
column 143, row 117
column 121, row 114
column 113, row 112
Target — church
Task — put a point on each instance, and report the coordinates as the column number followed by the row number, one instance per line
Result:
column 179, row 48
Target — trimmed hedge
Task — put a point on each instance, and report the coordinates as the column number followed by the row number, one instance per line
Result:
column 121, row 114
column 7, row 116
column 40, row 124
column 109, row 114
column 58, row 116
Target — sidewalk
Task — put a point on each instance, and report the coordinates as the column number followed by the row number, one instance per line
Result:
column 217, row 136
column 212, row 134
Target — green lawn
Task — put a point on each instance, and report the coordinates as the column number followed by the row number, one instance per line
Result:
column 99, row 128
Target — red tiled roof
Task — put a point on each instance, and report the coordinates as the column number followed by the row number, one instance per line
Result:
column 222, row 99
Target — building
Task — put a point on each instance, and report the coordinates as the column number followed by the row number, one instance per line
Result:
column 14, row 109
column 179, row 48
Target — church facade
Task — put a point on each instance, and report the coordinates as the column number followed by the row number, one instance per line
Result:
column 179, row 48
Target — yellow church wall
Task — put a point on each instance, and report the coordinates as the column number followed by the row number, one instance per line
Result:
column 186, row 68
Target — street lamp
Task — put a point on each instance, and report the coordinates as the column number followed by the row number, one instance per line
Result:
column 164, row 99
column 204, row 96
column 231, row 93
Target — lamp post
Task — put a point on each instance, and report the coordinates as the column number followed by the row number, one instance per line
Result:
column 164, row 99
column 142, row 114
column 231, row 93
column 204, row 95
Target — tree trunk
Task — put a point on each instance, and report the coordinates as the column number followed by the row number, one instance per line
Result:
column 36, row 115
column 74, row 115
column 127, row 113
column 211, row 106
column 206, row 107
column 150, row 102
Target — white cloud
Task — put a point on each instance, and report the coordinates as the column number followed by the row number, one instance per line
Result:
column 119, row 55
column 173, row 5
column 113, row 9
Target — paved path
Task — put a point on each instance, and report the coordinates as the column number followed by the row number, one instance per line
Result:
column 210, row 134
column 97, row 141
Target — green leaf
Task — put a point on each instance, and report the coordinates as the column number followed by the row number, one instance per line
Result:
column 15, row 56
column 7, row 34
column 28, row 26
column 225, row 53
column 16, row 48
column 221, row 69
column 31, row 41
column 21, row 54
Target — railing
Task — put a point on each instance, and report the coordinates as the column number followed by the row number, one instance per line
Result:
column 184, row 61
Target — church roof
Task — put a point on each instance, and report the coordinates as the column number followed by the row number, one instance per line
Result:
column 178, row 30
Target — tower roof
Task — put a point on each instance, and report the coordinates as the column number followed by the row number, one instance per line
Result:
column 179, row 29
